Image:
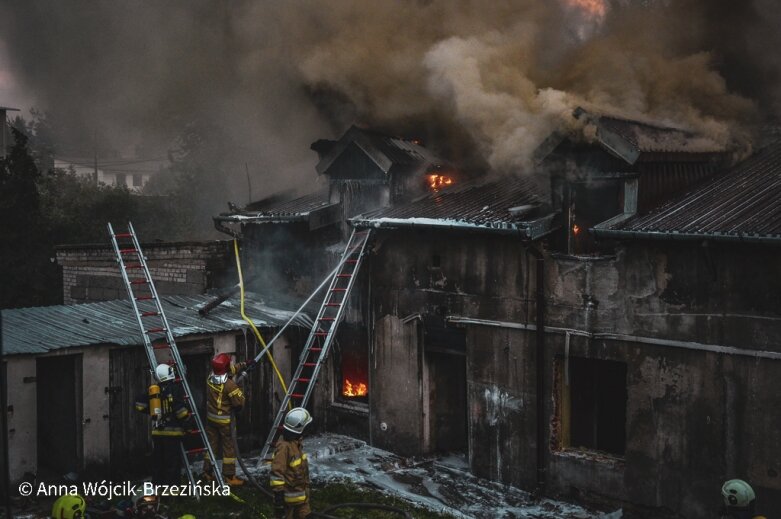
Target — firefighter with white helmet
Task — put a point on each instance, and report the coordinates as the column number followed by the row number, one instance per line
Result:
column 166, row 404
column 289, row 477
column 739, row 500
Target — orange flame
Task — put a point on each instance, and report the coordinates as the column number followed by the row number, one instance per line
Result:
column 575, row 229
column 353, row 390
column 594, row 9
column 437, row 182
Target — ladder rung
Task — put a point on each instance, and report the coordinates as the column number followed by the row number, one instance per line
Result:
column 123, row 235
column 139, row 281
column 133, row 266
column 310, row 364
column 338, row 290
column 304, row 379
column 194, row 431
column 344, row 275
column 155, row 330
column 327, row 318
column 297, row 395
column 145, row 298
column 128, row 251
column 351, row 261
column 321, row 334
column 315, row 349
column 196, row 451
column 149, row 314
column 161, row 346
column 333, row 304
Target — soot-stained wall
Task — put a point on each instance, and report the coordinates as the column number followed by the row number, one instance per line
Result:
column 696, row 413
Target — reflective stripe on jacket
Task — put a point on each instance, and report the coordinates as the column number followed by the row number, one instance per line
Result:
column 221, row 399
column 290, row 471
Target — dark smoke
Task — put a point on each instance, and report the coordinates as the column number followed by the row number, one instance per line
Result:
column 480, row 82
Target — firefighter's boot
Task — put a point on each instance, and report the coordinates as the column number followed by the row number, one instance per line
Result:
column 234, row 481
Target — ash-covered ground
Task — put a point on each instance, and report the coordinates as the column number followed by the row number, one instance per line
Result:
column 441, row 484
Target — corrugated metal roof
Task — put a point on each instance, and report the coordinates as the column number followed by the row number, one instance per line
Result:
column 743, row 203
column 651, row 138
column 509, row 204
column 297, row 209
column 386, row 151
column 45, row 328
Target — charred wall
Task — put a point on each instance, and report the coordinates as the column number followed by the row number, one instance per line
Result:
column 681, row 322
column 696, row 415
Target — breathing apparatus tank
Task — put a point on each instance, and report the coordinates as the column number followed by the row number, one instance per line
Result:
column 155, row 405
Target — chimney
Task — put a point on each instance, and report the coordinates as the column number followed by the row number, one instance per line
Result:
column 322, row 147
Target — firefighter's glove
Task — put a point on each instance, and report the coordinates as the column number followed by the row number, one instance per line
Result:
column 251, row 364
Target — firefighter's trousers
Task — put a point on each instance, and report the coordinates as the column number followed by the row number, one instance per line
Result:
column 219, row 435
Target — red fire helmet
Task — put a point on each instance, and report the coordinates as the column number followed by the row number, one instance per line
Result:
column 221, row 363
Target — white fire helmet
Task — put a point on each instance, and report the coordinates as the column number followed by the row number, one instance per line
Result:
column 164, row 372
column 296, row 419
column 737, row 493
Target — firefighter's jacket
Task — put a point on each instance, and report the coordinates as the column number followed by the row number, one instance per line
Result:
column 175, row 416
column 290, row 471
column 223, row 396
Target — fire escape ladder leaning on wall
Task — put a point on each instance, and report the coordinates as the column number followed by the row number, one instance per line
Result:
column 322, row 334
column 156, row 332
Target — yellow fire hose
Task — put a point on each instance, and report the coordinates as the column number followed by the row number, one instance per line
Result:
column 252, row 324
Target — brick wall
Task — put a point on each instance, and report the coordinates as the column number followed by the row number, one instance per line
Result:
column 90, row 272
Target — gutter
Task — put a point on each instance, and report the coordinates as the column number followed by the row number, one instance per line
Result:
column 219, row 224
column 683, row 236
column 653, row 341
column 528, row 230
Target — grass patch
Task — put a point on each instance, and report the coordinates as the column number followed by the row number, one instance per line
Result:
column 257, row 505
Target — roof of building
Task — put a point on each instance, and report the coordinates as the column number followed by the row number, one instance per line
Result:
column 386, row 151
column 315, row 209
column 274, row 209
column 46, row 328
column 507, row 205
column 741, row 204
column 629, row 139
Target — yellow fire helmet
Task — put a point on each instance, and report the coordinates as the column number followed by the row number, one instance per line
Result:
column 69, row 507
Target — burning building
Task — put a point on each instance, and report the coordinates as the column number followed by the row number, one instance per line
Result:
column 590, row 329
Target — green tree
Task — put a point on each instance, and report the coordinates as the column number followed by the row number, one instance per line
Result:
column 25, row 269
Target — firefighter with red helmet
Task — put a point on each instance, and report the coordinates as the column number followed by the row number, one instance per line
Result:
column 224, row 397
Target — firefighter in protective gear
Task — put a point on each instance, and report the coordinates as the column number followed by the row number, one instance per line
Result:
column 168, row 429
column 224, row 398
column 739, row 500
column 289, row 479
column 69, row 507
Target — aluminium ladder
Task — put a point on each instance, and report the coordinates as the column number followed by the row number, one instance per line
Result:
column 156, row 332
column 321, row 336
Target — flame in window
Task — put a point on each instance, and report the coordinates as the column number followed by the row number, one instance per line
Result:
column 437, row 182
column 357, row 389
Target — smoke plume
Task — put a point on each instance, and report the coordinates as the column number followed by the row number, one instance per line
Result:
column 479, row 82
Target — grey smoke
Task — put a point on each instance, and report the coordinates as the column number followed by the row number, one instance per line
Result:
column 480, row 82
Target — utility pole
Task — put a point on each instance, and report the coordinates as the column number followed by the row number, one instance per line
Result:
column 249, row 184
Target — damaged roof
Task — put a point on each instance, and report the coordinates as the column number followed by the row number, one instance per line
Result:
column 629, row 139
column 385, row 151
column 314, row 208
column 741, row 204
column 508, row 205
column 45, row 328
